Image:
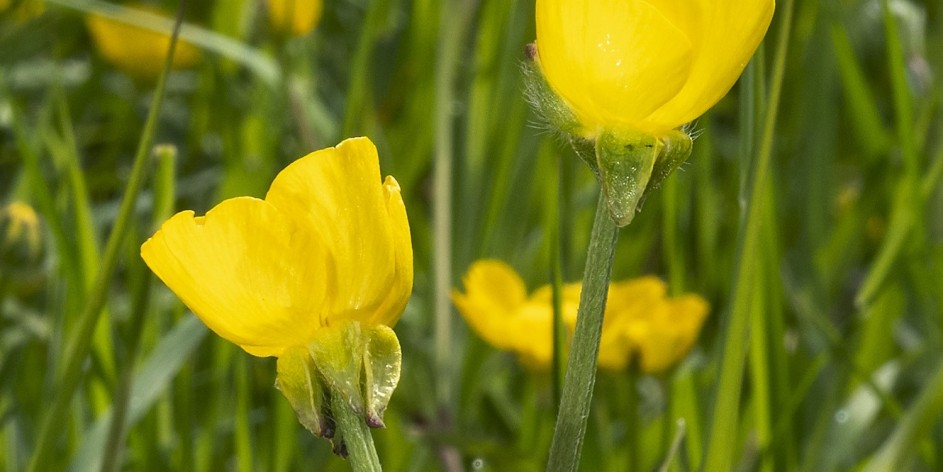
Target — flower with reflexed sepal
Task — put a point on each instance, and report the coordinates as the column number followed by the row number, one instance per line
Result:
column 620, row 77
column 315, row 275
column 642, row 324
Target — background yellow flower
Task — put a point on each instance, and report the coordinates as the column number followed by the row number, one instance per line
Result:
column 296, row 17
column 641, row 320
column 136, row 51
column 644, row 324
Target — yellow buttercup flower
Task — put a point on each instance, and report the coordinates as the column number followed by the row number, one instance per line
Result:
column 296, row 17
column 640, row 319
column 136, row 51
column 314, row 274
column 645, row 65
column 618, row 78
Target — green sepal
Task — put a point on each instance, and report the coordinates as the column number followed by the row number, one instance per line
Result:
column 625, row 160
column 549, row 107
column 585, row 149
column 677, row 146
column 382, row 361
column 297, row 379
column 337, row 351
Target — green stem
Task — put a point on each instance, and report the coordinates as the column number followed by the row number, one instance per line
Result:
column 78, row 346
column 581, row 371
column 353, row 430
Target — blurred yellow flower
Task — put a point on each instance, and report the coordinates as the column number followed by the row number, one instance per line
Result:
column 136, row 51
column 314, row 274
column 21, row 227
column 640, row 319
column 496, row 305
column 645, row 65
column 642, row 323
column 295, row 17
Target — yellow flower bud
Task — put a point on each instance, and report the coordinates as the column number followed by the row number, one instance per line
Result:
column 295, row 17
column 645, row 66
column 136, row 51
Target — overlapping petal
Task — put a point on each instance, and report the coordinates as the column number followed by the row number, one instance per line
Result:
column 613, row 61
column 727, row 34
column 336, row 194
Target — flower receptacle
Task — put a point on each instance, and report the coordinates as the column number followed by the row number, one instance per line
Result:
column 348, row 363
column 632, row 164
column 628, row 163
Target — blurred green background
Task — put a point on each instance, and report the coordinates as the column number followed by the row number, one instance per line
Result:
column 845, row 306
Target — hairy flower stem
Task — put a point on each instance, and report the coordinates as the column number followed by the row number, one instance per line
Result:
column 581, row 368
column 353, row 430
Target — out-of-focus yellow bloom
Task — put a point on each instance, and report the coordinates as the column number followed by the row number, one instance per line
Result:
column 136, row 51
column 295, row 17
column 642, row 323
column 21, row 227
column 496, row 305
column 314, row 274
column 645, row 65
column 640, row 319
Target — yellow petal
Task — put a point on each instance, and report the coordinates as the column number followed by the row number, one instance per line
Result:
column 613, row 61
column 672, row 332
column 632, row 298
column 725, row 34
column 531, row 332
column 494, row 295
column 246, row 270
column 392, row 307
column 297, row 17
column 336, row 194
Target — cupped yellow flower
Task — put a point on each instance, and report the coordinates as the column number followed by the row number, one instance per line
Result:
column 329, row 242
column 295, row 17
column 640, row 319
column 646, row 66
column 136, row 51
